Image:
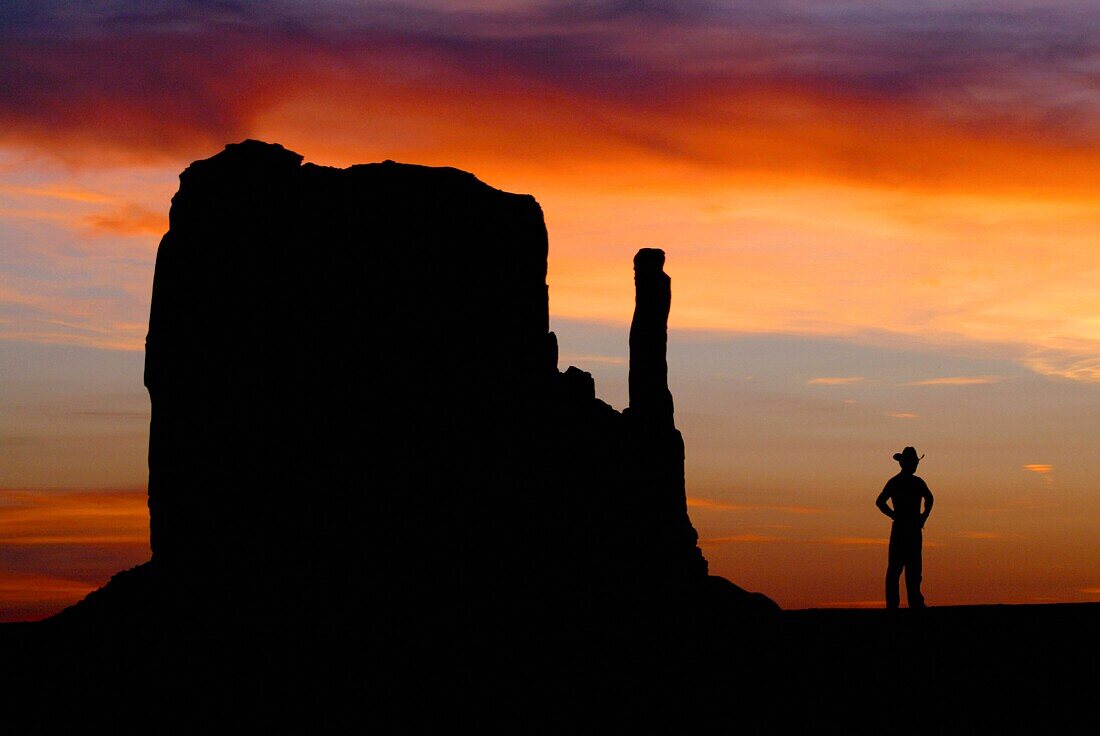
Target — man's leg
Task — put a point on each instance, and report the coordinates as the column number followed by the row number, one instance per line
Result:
column 913, row 572
column 893, row 570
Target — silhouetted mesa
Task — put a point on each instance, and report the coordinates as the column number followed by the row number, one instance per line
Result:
column 357, row 414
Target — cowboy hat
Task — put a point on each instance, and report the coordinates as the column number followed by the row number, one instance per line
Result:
column 907, row 454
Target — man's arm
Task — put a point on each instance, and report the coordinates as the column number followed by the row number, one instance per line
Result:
column 928, row 500
column 881, row 502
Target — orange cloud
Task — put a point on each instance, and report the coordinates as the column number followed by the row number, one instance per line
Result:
column 65, row 193
column 74, row 517
column 1039, row 468
column 902, row 415
column 38, row 589
column 855, row 541
column 128, row 219
column 862, row 542
column 1042, row 470
column 957, row 381
column 704, row 503
column 741, row 539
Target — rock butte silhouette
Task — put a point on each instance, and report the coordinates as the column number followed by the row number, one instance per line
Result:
column 376, row 500
column 357, row 406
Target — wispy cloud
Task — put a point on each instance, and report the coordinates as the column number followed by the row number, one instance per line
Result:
column 862, row 542
column 705, row 503
column 582, row 358
column 741, row 539
column 855, row 541
column 27, row 596
column 1043, row 470
column 30, row 596
column 74, row 517
column 57, row 192
column 835, row 380
column 828, row 541
column 1074, row 359
column 957, row 381
column 983, row 536
column 128, row 219
column 902, row 415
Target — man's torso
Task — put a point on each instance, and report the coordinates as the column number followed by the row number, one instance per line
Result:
column 905, row 492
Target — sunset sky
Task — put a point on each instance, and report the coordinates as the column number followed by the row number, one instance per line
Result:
column 882, row 222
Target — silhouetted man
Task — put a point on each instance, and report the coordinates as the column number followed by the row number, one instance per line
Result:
column 905, row 491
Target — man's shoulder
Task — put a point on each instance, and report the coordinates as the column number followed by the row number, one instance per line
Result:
column 904, row 480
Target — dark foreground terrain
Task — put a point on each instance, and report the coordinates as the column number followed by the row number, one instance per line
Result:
column 958, row 669
column 967, row 669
